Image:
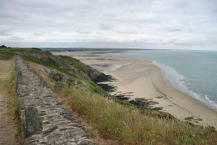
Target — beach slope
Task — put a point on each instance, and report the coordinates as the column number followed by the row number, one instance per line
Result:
column 142, row 79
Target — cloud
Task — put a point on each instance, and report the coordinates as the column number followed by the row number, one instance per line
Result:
column 105, row 23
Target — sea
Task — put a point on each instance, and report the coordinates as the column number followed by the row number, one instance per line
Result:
column 193, row 72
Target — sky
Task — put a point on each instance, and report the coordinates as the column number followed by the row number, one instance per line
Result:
column 148, row 24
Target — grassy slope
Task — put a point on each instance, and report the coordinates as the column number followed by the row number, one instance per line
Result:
column 67, row 65
column 114, row 119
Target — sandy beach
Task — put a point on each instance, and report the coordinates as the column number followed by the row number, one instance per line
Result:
column 142, row 79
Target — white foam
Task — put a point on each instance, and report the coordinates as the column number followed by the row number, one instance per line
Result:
column 179, row 82
column 213, row 103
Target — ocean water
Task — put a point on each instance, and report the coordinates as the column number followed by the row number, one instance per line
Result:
column 190, row 71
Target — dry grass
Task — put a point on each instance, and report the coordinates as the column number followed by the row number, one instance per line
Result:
column 127, row 125
column 8, row 86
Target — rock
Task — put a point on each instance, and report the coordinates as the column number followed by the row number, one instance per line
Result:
column 68, row 115
column 48, row 71
column 76, row 82
column 58, row 77
column 33, row 122
column 44, row 119
column 48, row 131
column 189, row 118
column 42, row 82
column 84, row 142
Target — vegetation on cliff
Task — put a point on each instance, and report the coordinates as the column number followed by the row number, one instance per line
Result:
column 76, row 85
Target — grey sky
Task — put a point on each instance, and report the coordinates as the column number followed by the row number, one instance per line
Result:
column 189, row 24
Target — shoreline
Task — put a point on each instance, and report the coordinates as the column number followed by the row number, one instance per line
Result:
column 142, row 79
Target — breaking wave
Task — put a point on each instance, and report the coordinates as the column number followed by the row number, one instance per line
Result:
column 181, row 83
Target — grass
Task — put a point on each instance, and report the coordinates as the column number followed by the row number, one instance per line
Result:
column 113, row 119
column 67, row 65
column 9, row 86
column 125, row 123
column 129, row 126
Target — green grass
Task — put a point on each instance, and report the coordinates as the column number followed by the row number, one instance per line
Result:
column 67, row 65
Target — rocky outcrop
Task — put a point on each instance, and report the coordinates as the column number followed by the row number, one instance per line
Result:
column 59, row 77
column 45, row 121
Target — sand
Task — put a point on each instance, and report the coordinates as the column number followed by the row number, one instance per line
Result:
column 142, row 79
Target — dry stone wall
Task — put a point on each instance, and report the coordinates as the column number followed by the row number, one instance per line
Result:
column 45, row 121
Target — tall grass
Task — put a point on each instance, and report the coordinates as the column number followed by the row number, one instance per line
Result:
column 131, row 127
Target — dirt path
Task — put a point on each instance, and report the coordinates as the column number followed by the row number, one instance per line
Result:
column 7, row 129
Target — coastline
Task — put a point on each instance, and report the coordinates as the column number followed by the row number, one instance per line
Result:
column 142, row 79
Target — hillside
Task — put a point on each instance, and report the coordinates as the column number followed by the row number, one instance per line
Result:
column 107, row 119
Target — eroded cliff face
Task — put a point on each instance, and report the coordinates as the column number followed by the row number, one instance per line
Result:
column 45, row 121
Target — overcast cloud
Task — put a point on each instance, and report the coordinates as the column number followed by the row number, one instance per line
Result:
column 188, row 24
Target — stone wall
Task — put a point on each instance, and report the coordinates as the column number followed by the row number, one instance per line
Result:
column 45, row 121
